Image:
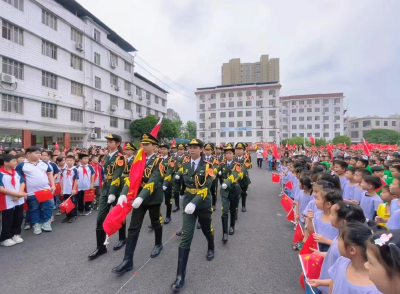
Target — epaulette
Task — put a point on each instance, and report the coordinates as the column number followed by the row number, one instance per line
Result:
column 207, row 162
column 120, row 154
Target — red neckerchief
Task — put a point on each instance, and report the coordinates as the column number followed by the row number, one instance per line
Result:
column 69, row 172
column 84, row 170
column 97, row 172
column 12, row 174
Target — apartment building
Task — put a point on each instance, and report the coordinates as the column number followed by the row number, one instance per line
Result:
column 238, row 113
column 358, row 126
column 172, row 114
column 319, row 115
column 264, row 71
column 66, row 75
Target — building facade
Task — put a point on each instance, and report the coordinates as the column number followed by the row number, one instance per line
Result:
column 172, row 114
column 65, row 74
column 238, row 113
column 264, row 71
column 319, row 115
column 357, row 127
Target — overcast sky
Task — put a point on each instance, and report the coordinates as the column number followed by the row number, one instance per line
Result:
column 324, row 46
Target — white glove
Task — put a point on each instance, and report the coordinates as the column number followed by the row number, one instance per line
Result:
column 224, row 186
column 137, row 202
column 111, row 198
column 164, row 188
column 177, row 177
column 220, row 173
column 122, row 199
column 189, row 209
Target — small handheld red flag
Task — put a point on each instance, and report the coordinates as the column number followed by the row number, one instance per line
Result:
column 173, row 142
column 286, row 203
column 57, row 191
column 124, row 146
column 88, row 195
column 365, row 147
column 25, row 206
column 301, row 280
column 56, row 146
column 276, row 178
column 312, row 140
column 289, row 185
column 310, row 243
column 43, row 195
column 311, row 264
column 298, row 234
column 290, row 215
column 67, row 206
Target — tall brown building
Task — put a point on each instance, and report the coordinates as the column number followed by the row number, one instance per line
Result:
column 265, row 70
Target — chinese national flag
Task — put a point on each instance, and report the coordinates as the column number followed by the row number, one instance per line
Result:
column 88, row 195
column 276, row 178
column 310, row 243
column 365, row 147
column 312, row 140
column 67, row 206
column 43, row 195
column 173, row 142
column 57, row 191
column 298, row 234
column 286, row 203
column 311, row 264
column 289, row 185
column 290, row 215
column 379, row 190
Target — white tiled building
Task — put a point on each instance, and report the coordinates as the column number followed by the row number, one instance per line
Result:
column 238, row 113
column 319, row 115
column 74, row 76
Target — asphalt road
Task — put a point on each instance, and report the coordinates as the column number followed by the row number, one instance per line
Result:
column 257, row 259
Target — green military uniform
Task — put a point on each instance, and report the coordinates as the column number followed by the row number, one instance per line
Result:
column 168, row 165
column 245, row 165
column 231, row 173
column 114, row 166
column 220, row 159
column 213, row 161
column 151, row 195
column 198, row 183
column 178, row 186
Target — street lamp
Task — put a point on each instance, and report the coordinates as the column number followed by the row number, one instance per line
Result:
column 304, row 137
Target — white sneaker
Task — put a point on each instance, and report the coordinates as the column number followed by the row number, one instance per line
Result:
column 17, row 239
column 27, row 226
column 8, row 243
column 47, row 226
column 52, row 218
column 87, row 212
column 36, row 229
column 58, row 213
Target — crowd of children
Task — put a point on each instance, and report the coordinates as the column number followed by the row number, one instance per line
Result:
column 349, row 207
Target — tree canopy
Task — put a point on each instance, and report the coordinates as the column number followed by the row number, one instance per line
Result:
column 168, row 129
column 297, row 140
column 382, row 136
column 341, row 139
column 190, row 130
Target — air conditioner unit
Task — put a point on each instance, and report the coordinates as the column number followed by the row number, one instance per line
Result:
column 140, row 98
column 140, row 115
column 209, row 98
column 79, row 46
column 130, row 93
column 209, row 117
column 9, row 79
column 204, row 119
column 274, row 116
column 148, row 102
column 116, row 88
column 260, row 96
column 93, row 136
column 210, row 127
column 113, row 64
column 114, row 108
column 261, row 117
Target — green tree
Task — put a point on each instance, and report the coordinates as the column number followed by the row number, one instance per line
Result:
column 320, row 142
column 382, row 136
column 144, row 125
column 190, row 130
column 341, row 139
column 168, row 129
column 179, row 126
column 297, row 140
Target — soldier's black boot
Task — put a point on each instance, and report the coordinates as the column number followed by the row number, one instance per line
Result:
column 122, row 238
column 168, row 218
column 101, row 248
column 243, row 204
column 211, row 247
column 179, row 233
column 198, row 226
column 181, row 272
column 176, row 198
column 127, row 264
column 224, row 229
column 158, row 247
column 232, row 226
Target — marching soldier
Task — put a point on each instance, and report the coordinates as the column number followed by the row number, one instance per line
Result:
column 114, row 166
column 245, row 161
column 177, row 185
column 173, row 150
column 149, row 198
column 130, row 152
column 168, row 163
column 198, row 176
column 230, row 172
column 210, row 158
column 220, row 157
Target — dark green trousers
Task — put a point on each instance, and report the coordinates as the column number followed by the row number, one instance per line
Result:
column 104, row 209
column 229, row 204
column 189, row 221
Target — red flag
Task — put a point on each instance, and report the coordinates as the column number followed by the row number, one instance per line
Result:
column 275, row 151
column 287, row 144
column 286, row 203
column 365, row 147
column 88, row 195
column 290, row 215
column 311, row 264
column 3, row 202
column 154, row 132
column 56, row 146
column 124, row 146
column 312, row 140
column 57, row 191
column 65, row 150
column 265, row 153
column 310, row 243
column 173, row 142
column 289, row 185
column 276, row 178
column 43, row 195
column 298, row 234
column 25, row 206
column 67, row 206
column 301, row 280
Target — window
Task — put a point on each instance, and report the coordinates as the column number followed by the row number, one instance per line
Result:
column 127, row 123
column 76, row 36
column 231, row 104
column 138, row 108
column 317, row 135
column 113, row 100
column 366, row 123
column 285, row 104
column 325, row 109
column 213, row 134
column 19, row 4
column 128, row 67
column 222, row 105
column 393, row 123
column 49, row 80
column 309, row 127
column 294, row 134
column 97, row 105
column 113, row 122
column 337, row 100
column 113, row 58
column 285, row 128
column 231, row 124
column 326, row 127
column 162, row 102
column 285, row 112
column 222, row 114
column 97, row 35
column 325, row 102
column 139, row 93
column 248, row 123
column 202, row 116
column 249, row 133
column 202, row 106
column 326, row 135
column 301, row 118
column 309, row 110
column 285, row 135
column 222, row 124
column 294, row 118
column 231, row 114
column 259, row 103
column 97, row 58
column 248, row 93
column 301, row 102
column 49, row 49
column 12, row 33
column 213, row 125
column 240, row 104
column 301, row 127
column 12, row 104
column 248, row 113
column 231, row 94
column 240, row 124
column 222, row 95
column 272, row 133
column 213, row 115
column 259, row 123
column 239, row 94
column 309, row 101
column 317, row 126
column 213, row 105
column 336, row 134
column 260, row 133
column 76, row 115
column 49, row 110
column 231, row 134
column 76, row 62
column 128, row 105
column 13, row 68
column 127, row 86
column 336, row 118
column 337, row 109
column 259, row 113
column 222, row 134
column 316, row 101
column 97, row 82
column 293, row 102
column 240, row 113
column 354, row 134
column 309, row 118
column 385, row 123
column 354, row 125
column 337, row 126
column 301, row 135
column 272, row 123
column 325, row 118
column 248, row 103
column 271, row 102
column 156, row 99
column 113, row 80
column 317, row 109
column 294, row 110
column 202, row 134
column 272, row 92
column 285, row 120
column 317, row 118
column 212, row 96
column 49, row 19
column 301, row 110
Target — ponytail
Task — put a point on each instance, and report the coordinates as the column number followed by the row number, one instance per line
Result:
column 120, row 150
